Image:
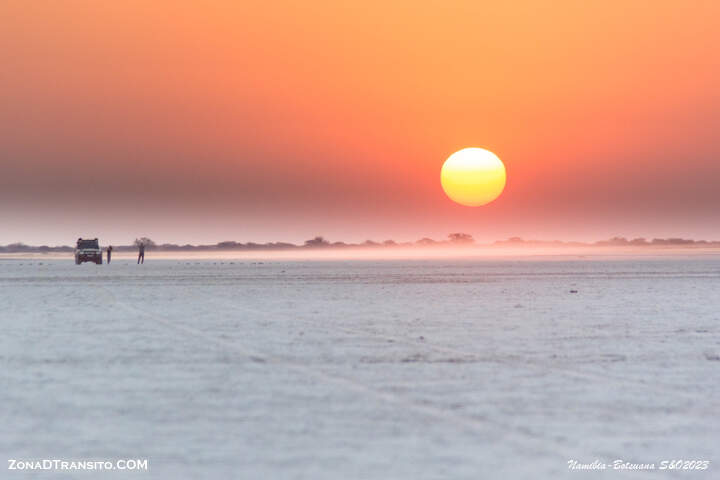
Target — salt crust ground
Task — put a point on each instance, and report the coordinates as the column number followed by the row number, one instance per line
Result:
column 443, row 369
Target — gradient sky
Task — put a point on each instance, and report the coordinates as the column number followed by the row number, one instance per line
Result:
column 259, row 121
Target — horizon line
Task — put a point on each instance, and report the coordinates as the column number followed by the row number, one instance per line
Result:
column 319, row 242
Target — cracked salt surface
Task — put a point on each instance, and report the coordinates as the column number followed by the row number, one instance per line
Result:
column 361, row 369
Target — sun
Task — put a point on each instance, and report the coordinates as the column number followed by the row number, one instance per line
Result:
column 473, row 177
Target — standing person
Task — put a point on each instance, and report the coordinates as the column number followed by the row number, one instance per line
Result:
column 141, row 252
column 109, row 253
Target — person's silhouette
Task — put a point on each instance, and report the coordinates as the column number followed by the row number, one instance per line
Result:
column 141, row 253
column 109, row 253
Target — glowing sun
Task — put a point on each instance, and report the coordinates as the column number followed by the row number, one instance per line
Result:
column 473, row 177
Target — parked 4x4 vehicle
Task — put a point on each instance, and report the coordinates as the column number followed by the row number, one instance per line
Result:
column 88, row 250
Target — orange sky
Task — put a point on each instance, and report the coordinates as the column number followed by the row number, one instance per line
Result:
column 254, row 121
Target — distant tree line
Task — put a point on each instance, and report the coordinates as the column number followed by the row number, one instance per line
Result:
column 21, row 248
column 616, row 242
column 313, row 243
column 319, row 242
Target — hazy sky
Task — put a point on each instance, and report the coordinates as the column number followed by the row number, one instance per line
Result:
column 255, row 121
